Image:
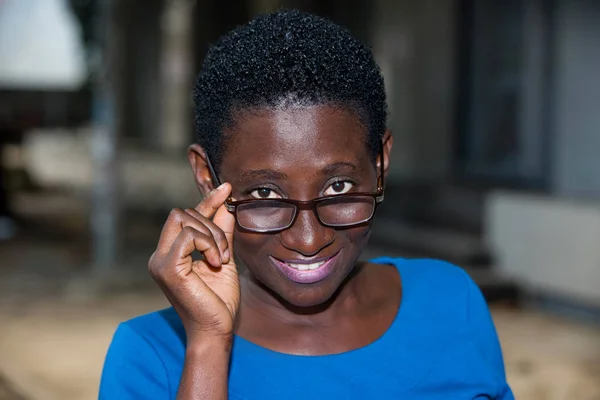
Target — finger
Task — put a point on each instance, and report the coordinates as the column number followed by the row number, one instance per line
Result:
column 209, row 227
column 178, row 219
column 169, row 278
column 171, row 229
column 225, row 220
column 214, row 200
column 187, row 241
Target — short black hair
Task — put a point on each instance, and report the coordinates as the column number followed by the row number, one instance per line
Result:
column 287, row 55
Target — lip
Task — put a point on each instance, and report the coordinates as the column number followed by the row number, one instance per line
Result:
column 308, row 276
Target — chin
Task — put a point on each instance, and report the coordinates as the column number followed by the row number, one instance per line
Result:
column 309, row 299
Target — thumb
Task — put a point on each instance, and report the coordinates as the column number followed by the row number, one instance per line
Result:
column 214, row 200
column 226, row 221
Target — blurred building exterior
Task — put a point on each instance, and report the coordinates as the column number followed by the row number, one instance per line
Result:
column 493, row 108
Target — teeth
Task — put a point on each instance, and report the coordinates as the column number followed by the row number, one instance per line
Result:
column 304, row 267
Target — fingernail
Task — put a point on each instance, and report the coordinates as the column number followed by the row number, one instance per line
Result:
column 226, row 254
column 215, row 190
column 221, row 187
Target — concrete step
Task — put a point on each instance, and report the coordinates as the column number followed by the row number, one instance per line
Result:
column 495, row 286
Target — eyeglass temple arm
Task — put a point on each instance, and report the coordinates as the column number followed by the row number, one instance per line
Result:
column 213, row 174
column 380, row 179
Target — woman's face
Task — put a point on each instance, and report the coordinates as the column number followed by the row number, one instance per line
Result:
column 299, row 153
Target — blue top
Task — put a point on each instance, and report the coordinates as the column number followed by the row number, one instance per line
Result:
column 441, row 345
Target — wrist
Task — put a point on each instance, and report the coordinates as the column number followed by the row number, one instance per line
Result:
column 201, row 345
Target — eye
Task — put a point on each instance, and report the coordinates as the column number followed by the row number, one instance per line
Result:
column 264, row 193
column 339, row 187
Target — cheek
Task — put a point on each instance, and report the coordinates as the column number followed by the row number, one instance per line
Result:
column 357, row 236
column 250, row 246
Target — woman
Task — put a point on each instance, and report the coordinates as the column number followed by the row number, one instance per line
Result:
column 291, row 115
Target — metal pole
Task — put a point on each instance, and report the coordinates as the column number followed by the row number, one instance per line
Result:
column 105, row 189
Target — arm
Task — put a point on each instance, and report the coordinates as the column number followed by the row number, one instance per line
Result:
column 206, row 370
column 132, row 369
column 486, row 337
column 205, row 293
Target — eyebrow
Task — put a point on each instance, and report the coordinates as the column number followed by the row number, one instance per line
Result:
column 336, row 167
column 261, row 174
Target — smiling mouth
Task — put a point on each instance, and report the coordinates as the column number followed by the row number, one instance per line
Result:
column 309, row 271
column 304, row 267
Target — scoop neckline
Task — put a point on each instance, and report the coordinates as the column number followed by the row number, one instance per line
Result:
column 240, row 341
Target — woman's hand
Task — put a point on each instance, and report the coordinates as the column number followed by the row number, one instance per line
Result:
column 205, row 293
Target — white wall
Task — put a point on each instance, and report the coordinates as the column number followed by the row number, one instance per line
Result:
column 576, row 147
column 550, row 245
column 40, row 46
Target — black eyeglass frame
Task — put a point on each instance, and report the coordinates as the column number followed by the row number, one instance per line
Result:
column 308, row 204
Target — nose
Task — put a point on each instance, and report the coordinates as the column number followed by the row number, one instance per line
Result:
column 307, row 235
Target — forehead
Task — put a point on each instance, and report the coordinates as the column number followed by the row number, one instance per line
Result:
column 294, row 136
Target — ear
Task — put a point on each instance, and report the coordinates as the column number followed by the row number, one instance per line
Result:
column 387, row 141
column 197, row 157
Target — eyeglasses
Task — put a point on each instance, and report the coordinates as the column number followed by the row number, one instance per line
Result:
column 273, row 215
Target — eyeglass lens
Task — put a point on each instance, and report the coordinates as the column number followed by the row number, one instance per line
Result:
column 272, row 215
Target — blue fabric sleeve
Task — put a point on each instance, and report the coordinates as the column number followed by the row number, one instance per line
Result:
column 485, row 335
column 132, row 369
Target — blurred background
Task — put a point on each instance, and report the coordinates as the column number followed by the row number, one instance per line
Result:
column 495, row 111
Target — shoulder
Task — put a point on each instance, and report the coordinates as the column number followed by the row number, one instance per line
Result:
column 430, row 273
column 145, row 356
column 443, row 304
column 161, row 322
column 162, row 331
column 437, row 286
